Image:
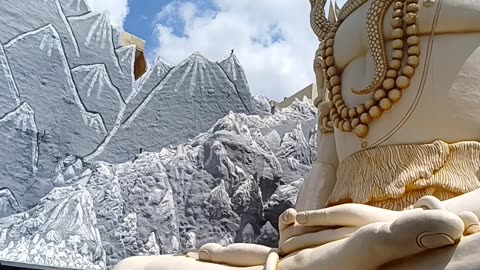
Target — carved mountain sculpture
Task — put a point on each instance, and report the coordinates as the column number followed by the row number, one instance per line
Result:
column 96, row 167
column 189, row 98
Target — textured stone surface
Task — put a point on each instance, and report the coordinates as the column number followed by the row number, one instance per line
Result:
column 97, row 167
column 189, row 99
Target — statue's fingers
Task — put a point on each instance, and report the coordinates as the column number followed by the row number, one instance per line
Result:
column 272, row 261
column 346, row 215
column 381, row 243
column 429, row 203
column 315, row 239
column 241, row 255
column 472, row 224
column 286, row 219
column 413, row 233
column 296, row 230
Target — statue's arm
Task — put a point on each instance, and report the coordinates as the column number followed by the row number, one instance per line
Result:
column 466, row 202
column 321, row 180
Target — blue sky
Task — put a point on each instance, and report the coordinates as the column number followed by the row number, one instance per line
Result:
column 272, row 38
column 142, row 20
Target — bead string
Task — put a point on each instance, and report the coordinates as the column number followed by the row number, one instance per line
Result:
column 357, row 119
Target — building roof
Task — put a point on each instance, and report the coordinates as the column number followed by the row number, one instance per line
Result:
column 140, row 59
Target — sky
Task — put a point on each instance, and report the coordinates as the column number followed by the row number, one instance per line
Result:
column 271, row 38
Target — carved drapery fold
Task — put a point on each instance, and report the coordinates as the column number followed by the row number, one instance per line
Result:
column 395, row 177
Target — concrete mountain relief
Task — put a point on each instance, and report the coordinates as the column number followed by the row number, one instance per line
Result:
column 97, row 167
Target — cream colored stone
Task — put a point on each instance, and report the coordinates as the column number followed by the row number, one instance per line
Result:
column 421, row 157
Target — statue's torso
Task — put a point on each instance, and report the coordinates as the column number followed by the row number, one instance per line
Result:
column 443, row 100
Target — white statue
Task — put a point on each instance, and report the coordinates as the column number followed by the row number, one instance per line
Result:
column 397, row 181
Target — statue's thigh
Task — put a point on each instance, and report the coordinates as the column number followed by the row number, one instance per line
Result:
column 463, row 256
column 170, row 262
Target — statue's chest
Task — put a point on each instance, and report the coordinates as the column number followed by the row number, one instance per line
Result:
column 443, row 99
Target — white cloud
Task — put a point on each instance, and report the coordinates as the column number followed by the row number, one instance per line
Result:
column 272, row 39
column 118, row 9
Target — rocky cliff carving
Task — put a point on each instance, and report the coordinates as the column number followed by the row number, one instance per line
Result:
column 97, row 167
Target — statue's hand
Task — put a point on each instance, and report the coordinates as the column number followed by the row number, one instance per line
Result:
column 317, row 227
column 472, row 224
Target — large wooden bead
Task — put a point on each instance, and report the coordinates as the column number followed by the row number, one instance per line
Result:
column 413, row 40
column 395, row 64
column 412, row 8
column 332, row 71
column 398, row 5
column 347, row 126
column 410, row 18
column 397, row 44
column 360, row 109
column 413, row 61
column 336, row 98
column 398, row 13
column 413, row 50
column 323, row 54
column 397, row 22
column 366, row 118
column 391, row 73
column 336, row 90
column 361, row 130
column 412, row 30
column 397, row 33
column 344, row 113
column 355, row 122
column 385, row 104
column 408, row 71
column 369, row 103
column 329, row 51
column 403, row 82
column 375, row 112
column 380, row 93
column 352, row 112
column 335, row 80
column 339, row 103
column 395, row 95
column 330, row 42
column 397, row 54
column 388, row 83
column 330, row 61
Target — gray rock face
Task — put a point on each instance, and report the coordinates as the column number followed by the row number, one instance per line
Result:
column 97, row 167
column 98, row 93
column 61, row 230
column 9, row 96
column 65, row 68
column 94, row 37
column 225, row 185
column 231, row 66
column 8, row 203
column 147, row 84
column 19, row 153
column 262, row 105
column 189, row 99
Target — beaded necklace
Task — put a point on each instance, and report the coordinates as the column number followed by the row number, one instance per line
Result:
column 397, row 79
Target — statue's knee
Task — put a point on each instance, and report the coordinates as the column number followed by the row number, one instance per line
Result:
column 132, row 263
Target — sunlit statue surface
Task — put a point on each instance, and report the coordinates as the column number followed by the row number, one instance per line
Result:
column 397, row 181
